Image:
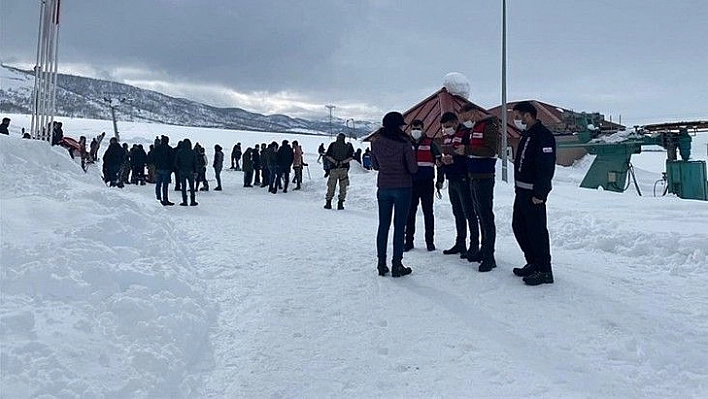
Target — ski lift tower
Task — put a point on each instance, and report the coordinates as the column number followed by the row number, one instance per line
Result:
column 115, row 100
column 45, row 71
column 330, row 107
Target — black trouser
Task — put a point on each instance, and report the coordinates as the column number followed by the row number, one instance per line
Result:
column 185, row 177
column 298, row 175
column 423, row 191
column 217, row 172
column 461, row 200
column 482, row 191
column 283, row 178
column 256, row 175
column 247, row 178
column 265, row 178
column 530, row 229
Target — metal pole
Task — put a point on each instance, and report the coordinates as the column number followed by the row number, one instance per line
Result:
column 34, row 131
column 55, row 63
column 505, row 176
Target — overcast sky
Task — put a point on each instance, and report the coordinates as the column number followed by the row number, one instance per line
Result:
column 645, row 60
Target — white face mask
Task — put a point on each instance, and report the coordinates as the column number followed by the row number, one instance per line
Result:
column 468, row 124
column 448, row 131
column 518, row 123
column 416, row 134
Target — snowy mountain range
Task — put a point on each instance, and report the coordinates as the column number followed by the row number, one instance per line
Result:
column 83, row 97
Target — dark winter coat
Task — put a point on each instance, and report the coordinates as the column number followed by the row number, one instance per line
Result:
column 285, row 158
column 393, row 156
column 256, row 158
column 247, row 161
column 163, row 157
column 3, row 128
column 219, row 160
column 139, row 158
column 269, row 157
column 185, row 158
column 535, row 163
column 114, row 155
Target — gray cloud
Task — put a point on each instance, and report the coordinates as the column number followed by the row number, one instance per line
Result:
column 642, row 59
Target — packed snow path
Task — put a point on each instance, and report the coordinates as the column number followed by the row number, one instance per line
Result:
column 252, row 294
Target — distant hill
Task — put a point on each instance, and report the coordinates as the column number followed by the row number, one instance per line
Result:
column 84, row 98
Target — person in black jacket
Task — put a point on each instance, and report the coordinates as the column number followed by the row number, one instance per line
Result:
column 285, row 158
column 4, row 125
column 187, row 164
column 163, row 158
column 139, row 161
column 112, row 161
column 534, row 167
column 256, row 158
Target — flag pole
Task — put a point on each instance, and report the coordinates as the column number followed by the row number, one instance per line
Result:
column 504, row 112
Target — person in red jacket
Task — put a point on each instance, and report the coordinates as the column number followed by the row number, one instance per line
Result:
column 427, row 155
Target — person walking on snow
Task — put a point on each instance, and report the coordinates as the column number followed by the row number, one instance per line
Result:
column 339, row 154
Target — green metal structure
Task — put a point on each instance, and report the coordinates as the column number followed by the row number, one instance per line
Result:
column 686, row 178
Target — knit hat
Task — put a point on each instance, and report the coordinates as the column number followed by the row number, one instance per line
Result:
column 393, row 120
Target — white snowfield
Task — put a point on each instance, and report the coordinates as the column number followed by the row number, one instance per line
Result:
column 105, row 293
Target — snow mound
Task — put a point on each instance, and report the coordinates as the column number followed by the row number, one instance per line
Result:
column 96, row 286
column 457, row 84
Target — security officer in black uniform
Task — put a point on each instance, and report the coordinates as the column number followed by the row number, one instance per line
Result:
column 534, row 165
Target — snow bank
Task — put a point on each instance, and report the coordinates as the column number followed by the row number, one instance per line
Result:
column 98, row 294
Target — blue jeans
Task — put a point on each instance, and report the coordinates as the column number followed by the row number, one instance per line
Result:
column 390, row 198
column 162, row 180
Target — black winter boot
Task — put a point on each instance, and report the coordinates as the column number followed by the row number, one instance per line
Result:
column 487, row 265
column 456, row 249
column 527, row 270
column 383, row 269
column 340, row 205
column 398, row 270
column 328, row 204
column 538, row 278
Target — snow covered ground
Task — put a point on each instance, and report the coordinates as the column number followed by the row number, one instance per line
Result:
column 105, row 293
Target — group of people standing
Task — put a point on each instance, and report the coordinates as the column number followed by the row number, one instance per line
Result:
column 466, row 158
column 270, row 165
column 122, row 165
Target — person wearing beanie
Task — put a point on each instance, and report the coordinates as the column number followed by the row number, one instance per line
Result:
column 339, row 154
column 392, row 155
